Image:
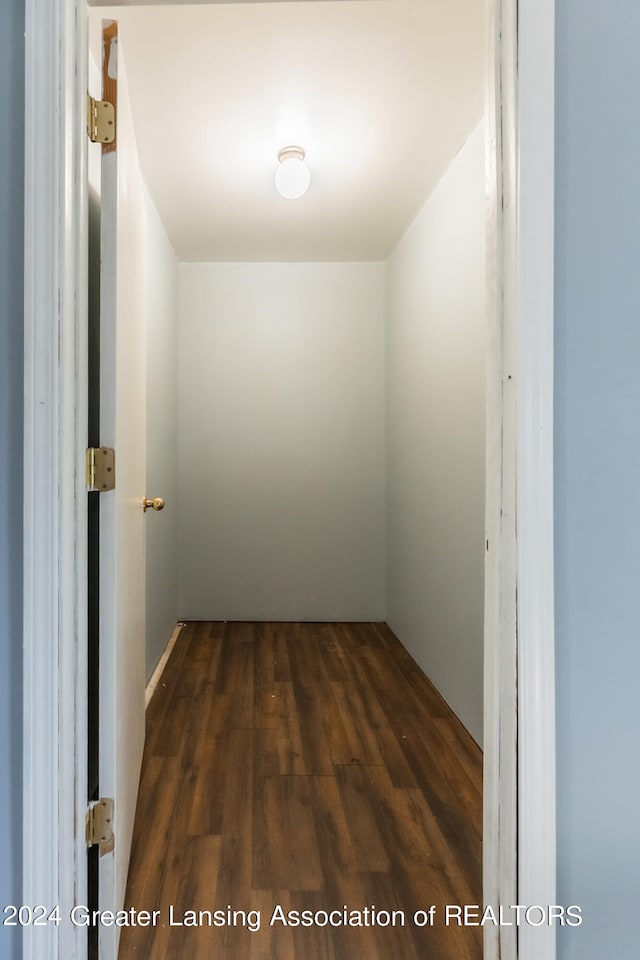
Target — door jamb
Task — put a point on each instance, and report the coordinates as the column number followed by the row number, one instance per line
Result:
column 519, row 637
column 534, row 456
column 519, row 583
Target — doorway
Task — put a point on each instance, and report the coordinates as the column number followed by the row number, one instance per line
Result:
column 306, row 388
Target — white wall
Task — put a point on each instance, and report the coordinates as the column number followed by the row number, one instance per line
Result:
column 281, row 441
column 161, row 279
column 435, row 435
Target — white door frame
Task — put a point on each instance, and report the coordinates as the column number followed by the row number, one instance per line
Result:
column 519, row 635
column 519, row 581
column 55, row 428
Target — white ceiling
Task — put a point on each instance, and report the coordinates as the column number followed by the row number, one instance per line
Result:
column 380, row 93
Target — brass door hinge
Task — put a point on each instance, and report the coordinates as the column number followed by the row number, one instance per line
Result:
column 101, row 469
column 101, row 120
column 100, row 822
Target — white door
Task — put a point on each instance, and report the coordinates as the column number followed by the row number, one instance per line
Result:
column 122, row 426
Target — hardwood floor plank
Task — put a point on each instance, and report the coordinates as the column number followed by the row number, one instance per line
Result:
column 334, row 655
column 333, row 833
column 352, row 642
column 235, row 673
column 264, row 656
column 338, row 744
column 291, row 751
column 467, row 755
column 266, row 767
column 281, row 668
column 150, row 849
column 309, row 708
column 197, row 893
column 293, row 860
column 394, row 759
column 272, row 943
column 218, row 718
column 233, row 885
column 366, row 841
column 314, row 941
column 460, row 825
column 361, row 735
column 398, row 941
column 207, row 808
column 268, row 706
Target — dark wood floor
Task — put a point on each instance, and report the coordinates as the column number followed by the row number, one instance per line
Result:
column 309, row 766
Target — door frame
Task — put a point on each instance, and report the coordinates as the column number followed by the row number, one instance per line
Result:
column 519, row 815
column 519, row 581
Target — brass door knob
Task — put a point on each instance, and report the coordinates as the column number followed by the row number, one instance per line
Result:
column 156, row 504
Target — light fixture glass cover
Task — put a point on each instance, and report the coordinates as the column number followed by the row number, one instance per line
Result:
column 292, row 176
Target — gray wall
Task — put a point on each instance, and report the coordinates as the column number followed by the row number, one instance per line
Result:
column 436, row 354
column 597, row 466
column 281, row 441
column 11, row 415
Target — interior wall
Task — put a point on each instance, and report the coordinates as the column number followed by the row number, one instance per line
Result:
column 281, row 441
column 436, row 354
column 161, row 529
column 597, row 473
column 11, row 453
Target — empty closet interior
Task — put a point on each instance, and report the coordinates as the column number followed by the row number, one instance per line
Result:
column 315, row 368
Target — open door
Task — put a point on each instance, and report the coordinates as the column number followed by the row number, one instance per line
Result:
column 117, row 388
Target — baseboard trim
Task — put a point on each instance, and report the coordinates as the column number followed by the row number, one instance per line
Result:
column 156, row 676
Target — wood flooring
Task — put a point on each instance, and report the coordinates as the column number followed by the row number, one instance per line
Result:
column 303, row 767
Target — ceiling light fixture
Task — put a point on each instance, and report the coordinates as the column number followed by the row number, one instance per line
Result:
column 292, row 176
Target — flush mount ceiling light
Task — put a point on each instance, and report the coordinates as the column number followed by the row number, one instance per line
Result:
column 292, row 176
